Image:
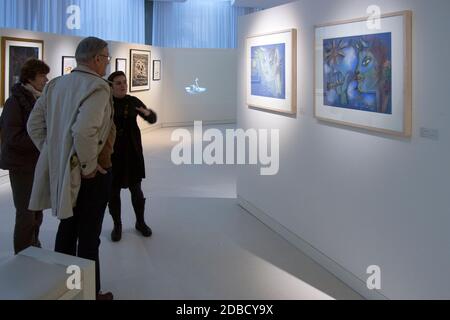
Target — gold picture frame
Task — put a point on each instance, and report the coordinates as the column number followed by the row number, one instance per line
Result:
column 271, row 76
column 371, row 93
column 15, row 51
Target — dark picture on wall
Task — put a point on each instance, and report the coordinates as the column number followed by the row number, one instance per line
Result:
column 15, row 52
column 140, row 70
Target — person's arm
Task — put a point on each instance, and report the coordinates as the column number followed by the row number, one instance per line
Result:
column 146, row 114
column 15, row 133
column 37, row 125
column 86, row 128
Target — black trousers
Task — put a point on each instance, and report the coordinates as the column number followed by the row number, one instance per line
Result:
column 137, row 200
column 80, row 235
column 26, row 230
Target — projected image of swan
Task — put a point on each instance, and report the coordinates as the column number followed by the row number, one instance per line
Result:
column 195, row 88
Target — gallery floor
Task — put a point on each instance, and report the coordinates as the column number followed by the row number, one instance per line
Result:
column 204, row 245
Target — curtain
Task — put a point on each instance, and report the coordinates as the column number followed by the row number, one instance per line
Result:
column 196, row 24
column 118, row 20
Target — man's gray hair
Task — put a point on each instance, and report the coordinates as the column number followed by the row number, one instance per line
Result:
column 89, row 48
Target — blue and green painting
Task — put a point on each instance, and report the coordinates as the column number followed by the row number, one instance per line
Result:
column 357, row 73
column 269, row 71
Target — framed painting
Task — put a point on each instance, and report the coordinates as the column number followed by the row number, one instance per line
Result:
column 272, row 71
column 121, row 65
column 68, row 64
column 140, row 70
column 15, row 51
column 156, row 70
column 363, row 73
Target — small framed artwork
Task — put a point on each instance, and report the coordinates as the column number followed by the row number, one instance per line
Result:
column 15, row 51
column 140, row 70
column 272, row 71
column 121, row 65
column 363, row 73
column 68, row 64
column 156, row 70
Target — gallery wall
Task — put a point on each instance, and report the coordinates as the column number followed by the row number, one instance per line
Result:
column 56, row 46
column 215, row 69
column 216, row 72
column 349, row 197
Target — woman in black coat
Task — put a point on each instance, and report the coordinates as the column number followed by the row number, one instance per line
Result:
column 18, row 153
column 128, row 158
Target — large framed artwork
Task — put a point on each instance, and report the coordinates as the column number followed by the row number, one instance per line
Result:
column 272, row 71
column 121, row 65
column 363, row 73
column 156, row 70
column 68, row 64
column 15, row 51
column 140, row 70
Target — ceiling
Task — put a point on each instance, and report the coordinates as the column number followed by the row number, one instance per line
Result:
column 247, row 3
column 259, row 3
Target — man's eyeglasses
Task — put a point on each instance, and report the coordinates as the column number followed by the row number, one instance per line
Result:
column 108, row 57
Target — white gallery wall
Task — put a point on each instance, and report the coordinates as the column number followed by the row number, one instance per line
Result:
column 353, row 198
column 215, row 70
column 57, row 46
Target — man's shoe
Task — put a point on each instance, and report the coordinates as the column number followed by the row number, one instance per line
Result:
column 116, row 234
column 104, row 296
column 144, row 229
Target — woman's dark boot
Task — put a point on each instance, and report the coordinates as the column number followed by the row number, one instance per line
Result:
column 116, row 233
column 114, row 210
column 139, row 210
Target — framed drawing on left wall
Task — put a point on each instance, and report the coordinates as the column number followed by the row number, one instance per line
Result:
column 68, row 64
column 140, row 61
column 15, row 51
column 156, row 70
column 121, row 65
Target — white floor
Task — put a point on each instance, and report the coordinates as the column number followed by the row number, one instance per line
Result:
column 204, row 245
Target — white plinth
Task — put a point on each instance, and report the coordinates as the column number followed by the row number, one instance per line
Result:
column 38, row 274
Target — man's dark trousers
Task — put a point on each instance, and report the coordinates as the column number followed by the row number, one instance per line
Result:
column 80, row 235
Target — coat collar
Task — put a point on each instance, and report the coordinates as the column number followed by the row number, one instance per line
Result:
column 86, row 69
column 24, row 96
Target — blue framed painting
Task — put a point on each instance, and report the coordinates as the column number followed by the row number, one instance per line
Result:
column 271, row 71
column 363, row 73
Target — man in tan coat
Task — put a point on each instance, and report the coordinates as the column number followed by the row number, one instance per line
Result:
column 72, row 126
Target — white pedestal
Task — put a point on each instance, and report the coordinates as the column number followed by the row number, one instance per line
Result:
column 38, row 274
